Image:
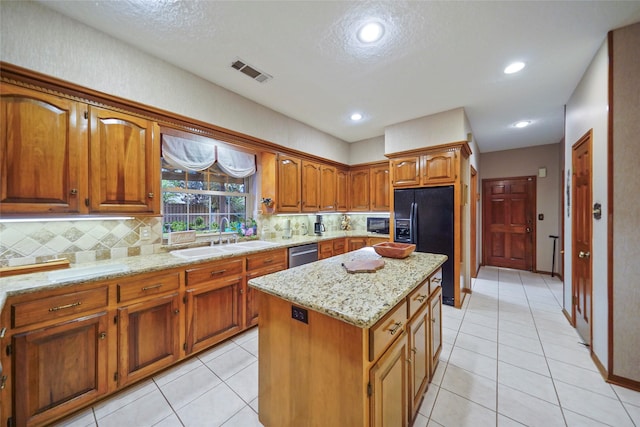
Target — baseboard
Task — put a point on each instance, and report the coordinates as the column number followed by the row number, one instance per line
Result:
column 568, row 316
column 599, row 365
column 623, row 382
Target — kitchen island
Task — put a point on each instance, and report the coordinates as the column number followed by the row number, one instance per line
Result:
column 348, row 349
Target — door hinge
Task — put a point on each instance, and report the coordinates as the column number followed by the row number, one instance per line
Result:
column 9, row 350
column 86, row 114
column 184, row 346
column 86, row 201
column 10, row 422
column 115, row 376
column 184, row 299
column 115, row 320
column 574, row 300
column 369, row 390
column 3, row 331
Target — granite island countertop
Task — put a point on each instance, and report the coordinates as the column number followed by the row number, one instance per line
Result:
column 360, row 299
column 32, row 282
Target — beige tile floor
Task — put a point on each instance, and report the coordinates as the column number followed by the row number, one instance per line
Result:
column 509, row 358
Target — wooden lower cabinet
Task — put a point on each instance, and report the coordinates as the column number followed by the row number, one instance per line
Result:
column 213, row 312
column 259, row 265
column 356, row 243
column 148, row 337
column 59, row 368
column 435, row 313
column 419, row 367
column 389, row 381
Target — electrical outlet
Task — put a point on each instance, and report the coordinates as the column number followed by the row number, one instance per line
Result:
column 299, row 314
column 145, row 233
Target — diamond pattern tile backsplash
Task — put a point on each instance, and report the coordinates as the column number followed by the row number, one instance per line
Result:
column 78, row 241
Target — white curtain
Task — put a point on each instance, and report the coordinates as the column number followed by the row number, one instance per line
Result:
column 192, row 155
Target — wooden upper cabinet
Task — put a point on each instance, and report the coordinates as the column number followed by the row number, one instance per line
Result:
column 439, row 167
column 328, row 193
column 43, row 140
column 360, row 190
column 288, row 194
column 310, row 186
column 405, row 171
column 342, row 190
column 125, row 163
column 380, row 188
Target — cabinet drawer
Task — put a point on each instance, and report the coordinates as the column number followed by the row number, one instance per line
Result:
column 54, row 307
column 150, row 285
column 266, row 259
column 436, row 280
column 418, row 298
column 215, row 271
column 386, row 330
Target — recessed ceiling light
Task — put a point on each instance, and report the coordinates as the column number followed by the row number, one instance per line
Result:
column 514, row 67
column 356, row 116
column 371, row 32
column 522, row 124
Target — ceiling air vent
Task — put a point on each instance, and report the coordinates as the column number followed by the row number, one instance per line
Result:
column 250, row 71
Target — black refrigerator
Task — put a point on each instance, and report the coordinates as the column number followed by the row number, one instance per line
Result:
column 424, row 216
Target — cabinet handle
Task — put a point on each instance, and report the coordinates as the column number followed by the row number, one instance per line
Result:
column 268, row 260
column 74, row 191
column 3, row 382
column 395, row 328
column 415, row 350
column 421, row 298
column 176, row 311
column 215, row 273
column 150, row 195
column 102, row 335
column 409, row 360
column 436, row 280
column 433, row 320
column 146, row 288
column 62, row 307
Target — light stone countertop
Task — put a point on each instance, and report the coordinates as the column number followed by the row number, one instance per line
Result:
column 32, row 282
column 360, row 299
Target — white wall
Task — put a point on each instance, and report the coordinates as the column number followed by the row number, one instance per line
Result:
column 436, row 129
column 39, row 39
column 524, row 162
column 588, row 109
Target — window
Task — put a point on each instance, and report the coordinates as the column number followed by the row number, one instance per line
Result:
column 201, row 200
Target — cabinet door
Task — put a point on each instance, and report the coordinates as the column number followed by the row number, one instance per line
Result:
column 310, row 187
column 380, row 188
column 43, row 153
column 148, row 337
column 342, row 190
column 356, row 243
column 375, row 240
column 435, row 312
column 339, row 247
column 328, row 197
column 60, row 368
column 406, row 171
column 439, row 168
column 125, row 163
column 388, row 379
column 325, row 249
column 360, row 190
column 213, row 312
column 419, row 372
column 288, row 197
column 251, row 300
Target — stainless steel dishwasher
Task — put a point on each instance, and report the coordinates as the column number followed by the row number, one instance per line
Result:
column 303, row 254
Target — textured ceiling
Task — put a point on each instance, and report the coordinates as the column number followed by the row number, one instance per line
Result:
column 434, row 56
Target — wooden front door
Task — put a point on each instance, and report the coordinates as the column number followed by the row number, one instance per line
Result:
column 581, row 236
column 508, row 227
column 473, row 199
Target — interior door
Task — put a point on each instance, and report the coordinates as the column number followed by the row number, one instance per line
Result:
column 508, row 227
column 581, row 236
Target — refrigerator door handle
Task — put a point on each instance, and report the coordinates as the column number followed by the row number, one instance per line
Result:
column 413, row 221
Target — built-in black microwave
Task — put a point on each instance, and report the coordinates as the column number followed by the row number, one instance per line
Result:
column 378, row 225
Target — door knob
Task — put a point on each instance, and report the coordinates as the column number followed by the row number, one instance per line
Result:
column 528, row 229
column 584, row 254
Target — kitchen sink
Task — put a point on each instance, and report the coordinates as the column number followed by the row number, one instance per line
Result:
column 74, row 273
column 202, row 252
column 251, row 244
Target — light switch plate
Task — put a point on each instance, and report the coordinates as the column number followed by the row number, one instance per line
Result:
column 145, row 233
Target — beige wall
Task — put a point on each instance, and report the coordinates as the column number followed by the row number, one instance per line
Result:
column 441, row 128
column 39, row 39
column 626, row 207
column 367, row 150
column 586, row 109
column 525, row 162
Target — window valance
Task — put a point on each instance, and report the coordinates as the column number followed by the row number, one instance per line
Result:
column 199, row 155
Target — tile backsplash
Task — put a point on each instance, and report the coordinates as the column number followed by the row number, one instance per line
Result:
column 79, row 241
